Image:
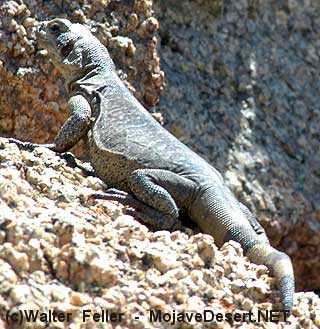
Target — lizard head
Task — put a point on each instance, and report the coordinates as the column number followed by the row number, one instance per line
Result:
column 71, row 47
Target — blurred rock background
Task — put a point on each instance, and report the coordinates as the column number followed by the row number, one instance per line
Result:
column 241, row 88
column 243, row 91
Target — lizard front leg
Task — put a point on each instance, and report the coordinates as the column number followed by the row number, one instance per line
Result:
column 76, row 126
column 71, row 131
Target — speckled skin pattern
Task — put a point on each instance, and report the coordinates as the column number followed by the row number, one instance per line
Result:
column 131, row 151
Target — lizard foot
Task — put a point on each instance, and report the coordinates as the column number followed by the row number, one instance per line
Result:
column 148, row 215
column 72, row 162
column 70, row 158
column 154, row 218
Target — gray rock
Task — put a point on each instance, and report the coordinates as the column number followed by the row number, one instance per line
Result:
column 243, row 91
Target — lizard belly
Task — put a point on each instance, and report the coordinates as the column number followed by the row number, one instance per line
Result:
column 112, row 167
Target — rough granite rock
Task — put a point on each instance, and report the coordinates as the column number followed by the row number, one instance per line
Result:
column 243, row 91
column 63, row 252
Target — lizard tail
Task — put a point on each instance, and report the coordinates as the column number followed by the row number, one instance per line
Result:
column 219, row 214
column 280, row 266
column 261, row 252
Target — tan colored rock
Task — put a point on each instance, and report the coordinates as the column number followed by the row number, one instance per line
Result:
column 72, row 256
column 132, row 269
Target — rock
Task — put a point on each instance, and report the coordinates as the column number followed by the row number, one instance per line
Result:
column 70, row 256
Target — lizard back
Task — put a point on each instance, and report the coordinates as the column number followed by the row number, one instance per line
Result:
column 132, row 139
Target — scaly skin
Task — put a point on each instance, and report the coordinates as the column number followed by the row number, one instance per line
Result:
column 131, row 151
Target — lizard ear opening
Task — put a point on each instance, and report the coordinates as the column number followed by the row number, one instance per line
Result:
column 66, row 49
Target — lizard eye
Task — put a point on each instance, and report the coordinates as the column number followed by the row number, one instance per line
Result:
column 55, row 28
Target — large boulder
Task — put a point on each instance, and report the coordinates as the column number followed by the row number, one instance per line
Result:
column 243, row 91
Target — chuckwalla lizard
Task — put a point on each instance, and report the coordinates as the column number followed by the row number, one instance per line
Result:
column 131, row 151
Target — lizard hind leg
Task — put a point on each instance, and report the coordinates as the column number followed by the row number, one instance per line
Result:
column 163, row 191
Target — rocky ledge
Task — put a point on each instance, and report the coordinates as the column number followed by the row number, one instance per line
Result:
column 76, row 262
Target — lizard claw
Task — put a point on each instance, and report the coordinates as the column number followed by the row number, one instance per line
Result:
column 70, row 159
column 113, row 194
column 30, row 146
column 26, row 145
column 72, row 162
